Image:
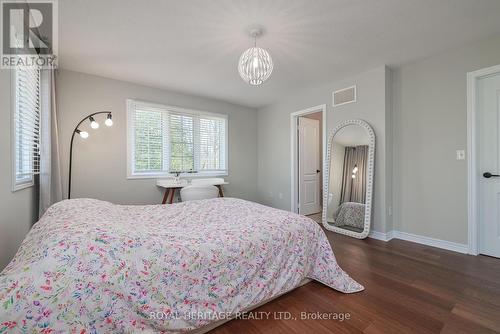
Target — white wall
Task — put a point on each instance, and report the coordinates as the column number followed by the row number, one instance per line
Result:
column 18, row 209
column 99, row 169
column 424, row 123
column 274, row 136
column 430, row 124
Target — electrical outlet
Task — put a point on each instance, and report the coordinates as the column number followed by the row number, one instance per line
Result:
column 460, row 154
column 280, row 195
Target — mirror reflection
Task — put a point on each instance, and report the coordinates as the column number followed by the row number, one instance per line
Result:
column 348, row 178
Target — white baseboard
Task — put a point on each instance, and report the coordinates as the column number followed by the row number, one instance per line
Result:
column 444, row 244
column 381, row 236
column 419, row 239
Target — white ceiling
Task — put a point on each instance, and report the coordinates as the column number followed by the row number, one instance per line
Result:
column 193, row 46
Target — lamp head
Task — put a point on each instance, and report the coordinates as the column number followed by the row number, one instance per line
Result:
column 93, row 124
column 83, row 134
column 109, row 120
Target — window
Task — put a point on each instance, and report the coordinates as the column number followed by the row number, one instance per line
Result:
column 25, row 126
column 165, row 140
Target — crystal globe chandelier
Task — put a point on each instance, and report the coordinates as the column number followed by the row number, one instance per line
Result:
column 255, row 65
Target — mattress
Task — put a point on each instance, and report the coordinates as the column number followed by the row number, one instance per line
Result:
column 92, row 266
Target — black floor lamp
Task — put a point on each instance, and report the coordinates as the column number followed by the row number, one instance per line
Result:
column 85, row 135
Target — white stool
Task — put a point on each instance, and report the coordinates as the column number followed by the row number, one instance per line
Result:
column 197, row 192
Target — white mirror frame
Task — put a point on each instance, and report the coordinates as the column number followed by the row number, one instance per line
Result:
column 369, row 185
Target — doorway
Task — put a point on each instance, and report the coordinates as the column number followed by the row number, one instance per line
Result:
column 308, row 134
column 484, row 161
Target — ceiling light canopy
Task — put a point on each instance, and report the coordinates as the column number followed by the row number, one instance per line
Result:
column 255, row 65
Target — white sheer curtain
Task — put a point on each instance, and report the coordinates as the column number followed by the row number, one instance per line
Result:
column 50, row 185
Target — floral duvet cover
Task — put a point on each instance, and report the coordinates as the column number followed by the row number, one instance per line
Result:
column 90, row 266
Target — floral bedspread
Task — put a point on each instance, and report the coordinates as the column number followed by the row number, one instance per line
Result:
column 90, row 266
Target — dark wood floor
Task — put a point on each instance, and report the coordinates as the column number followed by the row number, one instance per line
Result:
column 409, row 288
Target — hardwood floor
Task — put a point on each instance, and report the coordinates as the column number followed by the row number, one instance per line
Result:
column 409, row 288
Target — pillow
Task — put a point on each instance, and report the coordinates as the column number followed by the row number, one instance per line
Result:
column 351, row 214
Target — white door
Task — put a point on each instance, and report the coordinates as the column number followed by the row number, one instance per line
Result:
column 488, row 107
column 309, row 166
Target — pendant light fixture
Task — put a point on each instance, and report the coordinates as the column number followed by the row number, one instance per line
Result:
column 255, row 65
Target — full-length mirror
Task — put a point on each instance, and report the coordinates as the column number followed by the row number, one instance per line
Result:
column 347, row 198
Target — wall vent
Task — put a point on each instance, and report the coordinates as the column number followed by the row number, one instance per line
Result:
column 344, row 96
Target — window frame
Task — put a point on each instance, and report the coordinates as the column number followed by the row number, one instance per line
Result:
column 131, row 174
column 29, row 181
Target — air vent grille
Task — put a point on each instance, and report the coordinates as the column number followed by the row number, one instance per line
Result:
column 344, row 96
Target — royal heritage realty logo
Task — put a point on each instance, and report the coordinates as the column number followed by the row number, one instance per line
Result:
column 29, row 33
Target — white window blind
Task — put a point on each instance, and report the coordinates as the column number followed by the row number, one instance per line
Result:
column 26, row 125
column 164, row 140
column 149, row 146
column 181, row 135
column 212, row 148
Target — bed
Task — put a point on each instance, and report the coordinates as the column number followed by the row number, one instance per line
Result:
column 92, row 266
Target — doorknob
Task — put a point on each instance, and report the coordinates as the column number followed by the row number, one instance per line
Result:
column 317, row 171
column 488, row 175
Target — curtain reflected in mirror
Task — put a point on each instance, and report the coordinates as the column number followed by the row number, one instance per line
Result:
column 349, row 179
column 353, row 175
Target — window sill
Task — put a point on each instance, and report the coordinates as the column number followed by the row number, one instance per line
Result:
column 21, row 186
column 182, row 176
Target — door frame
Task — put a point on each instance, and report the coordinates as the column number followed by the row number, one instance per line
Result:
column 472, row 171
column 293, row 149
